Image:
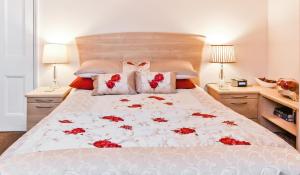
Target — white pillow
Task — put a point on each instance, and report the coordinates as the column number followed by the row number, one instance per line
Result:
column 108, row 84
column 100, row 66
column 183, row 69
column 155, row 82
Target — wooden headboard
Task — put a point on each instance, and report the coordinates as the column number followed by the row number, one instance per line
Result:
column 150, row 45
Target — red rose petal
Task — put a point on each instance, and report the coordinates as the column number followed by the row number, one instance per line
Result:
column 184, row 131
column 75, row 131
column 113, row 118
column 130, row 63
column 230, row 123
column 169, row 103
column 106, row 144
column 159, row 77
column 127, row 127
column 135, row 106
column 65, row 121
column 124, row 100
column 232, row 141
column 110, row 84
column 198, row 114
column 116, row 78
column 153, row 84
column 142, row 64
column 160, row 120
column 156, row 97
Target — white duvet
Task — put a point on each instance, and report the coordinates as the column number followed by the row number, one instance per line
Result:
column 183, row 133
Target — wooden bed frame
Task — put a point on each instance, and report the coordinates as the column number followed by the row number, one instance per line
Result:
column 143, row 45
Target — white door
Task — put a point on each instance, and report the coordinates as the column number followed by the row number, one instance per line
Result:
column 16, row 62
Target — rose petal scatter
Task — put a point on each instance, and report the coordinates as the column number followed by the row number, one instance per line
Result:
column 106, row 144
column 75, row 131
column 113, row 118
column 184, row 131
column 232, row 141
column 160, row 120
column 198, row 114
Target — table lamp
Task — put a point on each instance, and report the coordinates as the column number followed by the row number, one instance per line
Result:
column 222, row 54
column 55, row 54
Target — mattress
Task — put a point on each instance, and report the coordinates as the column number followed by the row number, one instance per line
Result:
column 115, row 134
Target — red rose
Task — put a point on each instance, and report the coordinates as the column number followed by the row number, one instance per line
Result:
column 160, row 120
column 153, row 84
column 65, row 121
column 231, row 141
column 198, row 114
column 75, row 131
column 157, row 98
column 113, row 118
column 184, row 131
column 285, row 85
column 116, row 78
column 110, row 84
column 127, row 127
column 159, row 77
column 106, row 144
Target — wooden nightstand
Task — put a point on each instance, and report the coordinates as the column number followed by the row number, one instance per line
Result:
column 40, row 103
column 243, row 100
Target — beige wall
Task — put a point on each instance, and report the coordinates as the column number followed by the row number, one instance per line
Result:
column 239, row 22
column 284, row 44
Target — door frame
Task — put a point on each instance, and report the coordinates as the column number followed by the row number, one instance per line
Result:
column 35, row 44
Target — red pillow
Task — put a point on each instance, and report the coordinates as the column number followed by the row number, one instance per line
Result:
column 185, row 84
column 82, row 83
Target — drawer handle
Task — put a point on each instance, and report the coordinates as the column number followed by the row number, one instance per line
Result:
column 44, row 107
column 43, row 101
column 240, row 96
column 242, row 103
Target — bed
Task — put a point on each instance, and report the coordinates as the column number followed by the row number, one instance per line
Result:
column 167, row 134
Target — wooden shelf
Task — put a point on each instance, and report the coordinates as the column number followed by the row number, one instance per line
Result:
column 288, row 126
column 273, row 95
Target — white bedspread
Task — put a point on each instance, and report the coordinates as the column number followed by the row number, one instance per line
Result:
column 171, row 126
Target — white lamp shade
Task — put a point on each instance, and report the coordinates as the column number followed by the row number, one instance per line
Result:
column 55, row 54
column 222, row 54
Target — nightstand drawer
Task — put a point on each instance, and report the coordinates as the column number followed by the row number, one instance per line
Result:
column 41, row 102
column 37, row 111
column 246, row 107
column 240, row 96
column 41, row 108
column 44, row 100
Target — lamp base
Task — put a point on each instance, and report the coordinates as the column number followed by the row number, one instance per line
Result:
column 52, row 88
column 222, row 83
column 54, row 85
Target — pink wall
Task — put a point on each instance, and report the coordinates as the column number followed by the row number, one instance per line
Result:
column 284, row 39
column 239, row 22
